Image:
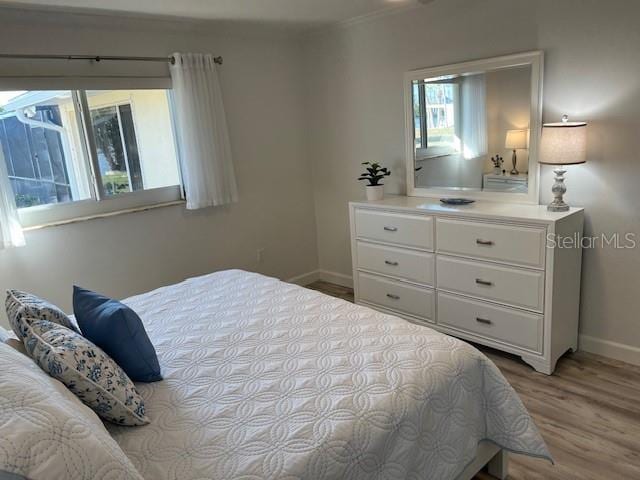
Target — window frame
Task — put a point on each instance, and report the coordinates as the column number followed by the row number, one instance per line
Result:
column 100, row 204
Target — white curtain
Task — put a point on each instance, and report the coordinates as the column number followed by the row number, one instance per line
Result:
column 474, row 116
column 10, row 229
column 207, row 167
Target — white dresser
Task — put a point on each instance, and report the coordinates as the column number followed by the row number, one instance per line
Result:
column 491, row 273
column 505, row 183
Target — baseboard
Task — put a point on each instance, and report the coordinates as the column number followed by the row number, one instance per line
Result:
column 324, row 275
column 606, row 348
column 305, row 278
column 337, row 278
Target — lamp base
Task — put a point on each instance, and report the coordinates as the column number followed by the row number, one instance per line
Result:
column 514, row 160
column 558, row 189
column 561, row 207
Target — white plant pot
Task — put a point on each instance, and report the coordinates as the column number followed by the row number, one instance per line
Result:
column 375, row 192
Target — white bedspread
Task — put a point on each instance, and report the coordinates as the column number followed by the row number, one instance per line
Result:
column 264, row 379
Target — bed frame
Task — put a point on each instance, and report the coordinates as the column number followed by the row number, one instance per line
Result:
column 489, row 455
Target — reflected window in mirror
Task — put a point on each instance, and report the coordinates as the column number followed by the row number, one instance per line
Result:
column 436, row 113
column 450, row 124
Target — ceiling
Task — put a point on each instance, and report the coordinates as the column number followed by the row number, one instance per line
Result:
column 303, row 12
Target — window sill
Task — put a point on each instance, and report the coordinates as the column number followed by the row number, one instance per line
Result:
column 421, row 158
column 103, row 215
column 61, row 213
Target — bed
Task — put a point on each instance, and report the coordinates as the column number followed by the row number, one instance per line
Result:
column 265, row 379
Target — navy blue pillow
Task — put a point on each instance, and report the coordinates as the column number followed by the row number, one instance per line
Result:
column 117, row 330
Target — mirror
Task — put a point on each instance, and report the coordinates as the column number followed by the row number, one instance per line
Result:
column 473, row 128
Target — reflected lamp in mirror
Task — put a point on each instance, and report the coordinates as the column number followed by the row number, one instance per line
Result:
column 516, row 140
column 563, row 143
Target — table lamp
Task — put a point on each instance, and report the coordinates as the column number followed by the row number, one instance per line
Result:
column 563, row 143
column 516, row 140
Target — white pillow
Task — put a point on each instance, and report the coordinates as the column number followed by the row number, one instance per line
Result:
column 4, row 335
column 47, row 433
column 12, row 341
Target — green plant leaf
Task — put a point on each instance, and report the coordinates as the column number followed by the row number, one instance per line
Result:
column 374, row 173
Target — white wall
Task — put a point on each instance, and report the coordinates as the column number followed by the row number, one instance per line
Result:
column 508, row 108
column 262, row 83
column 592, row 72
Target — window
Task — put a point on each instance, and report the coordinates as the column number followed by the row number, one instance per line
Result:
column 436, row 118
column 66, row 148
column 38, row 150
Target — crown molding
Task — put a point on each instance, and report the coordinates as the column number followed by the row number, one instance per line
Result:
column 362, row 19
column 385, row 12
column 53, row 15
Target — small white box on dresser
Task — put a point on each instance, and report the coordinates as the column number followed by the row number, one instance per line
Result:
column 490, row 273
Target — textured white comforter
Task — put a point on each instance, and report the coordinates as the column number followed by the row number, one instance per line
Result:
column 264, row 379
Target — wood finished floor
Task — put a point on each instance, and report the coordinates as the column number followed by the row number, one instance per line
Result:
column 588, row 412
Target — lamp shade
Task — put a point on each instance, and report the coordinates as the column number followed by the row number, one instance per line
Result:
column 516, row 139
column 564, row 143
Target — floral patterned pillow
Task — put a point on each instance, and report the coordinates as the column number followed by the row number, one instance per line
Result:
column 25, row 305
column 86, row 370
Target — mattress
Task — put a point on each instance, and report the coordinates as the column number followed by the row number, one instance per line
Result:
column 268, row 380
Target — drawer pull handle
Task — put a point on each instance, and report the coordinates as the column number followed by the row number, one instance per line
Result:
column 391, row 229
column 488, row 243
column 479, row 281
column 393, row 297
column 484, row 321
column 389, row 262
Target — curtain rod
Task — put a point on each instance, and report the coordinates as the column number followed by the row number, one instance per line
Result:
column 96, row 58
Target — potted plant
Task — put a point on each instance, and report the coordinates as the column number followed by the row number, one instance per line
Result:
column 497, row 164
column 373, row 175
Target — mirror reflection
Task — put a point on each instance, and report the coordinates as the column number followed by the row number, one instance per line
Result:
column 471, row 131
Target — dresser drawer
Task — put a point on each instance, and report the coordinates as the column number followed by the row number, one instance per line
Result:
column 505, row 184
column 515, row 286
column 397, row 296
column 502, row 324
column 506, row 243
column 409, row 230
column 406, row 264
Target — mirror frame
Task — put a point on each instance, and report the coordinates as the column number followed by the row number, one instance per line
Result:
column 536, row 60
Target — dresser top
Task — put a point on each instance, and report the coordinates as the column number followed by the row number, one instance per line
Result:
column 479, row 209
column 520, row 177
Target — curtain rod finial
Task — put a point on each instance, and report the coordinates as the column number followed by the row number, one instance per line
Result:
column 218, row 60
